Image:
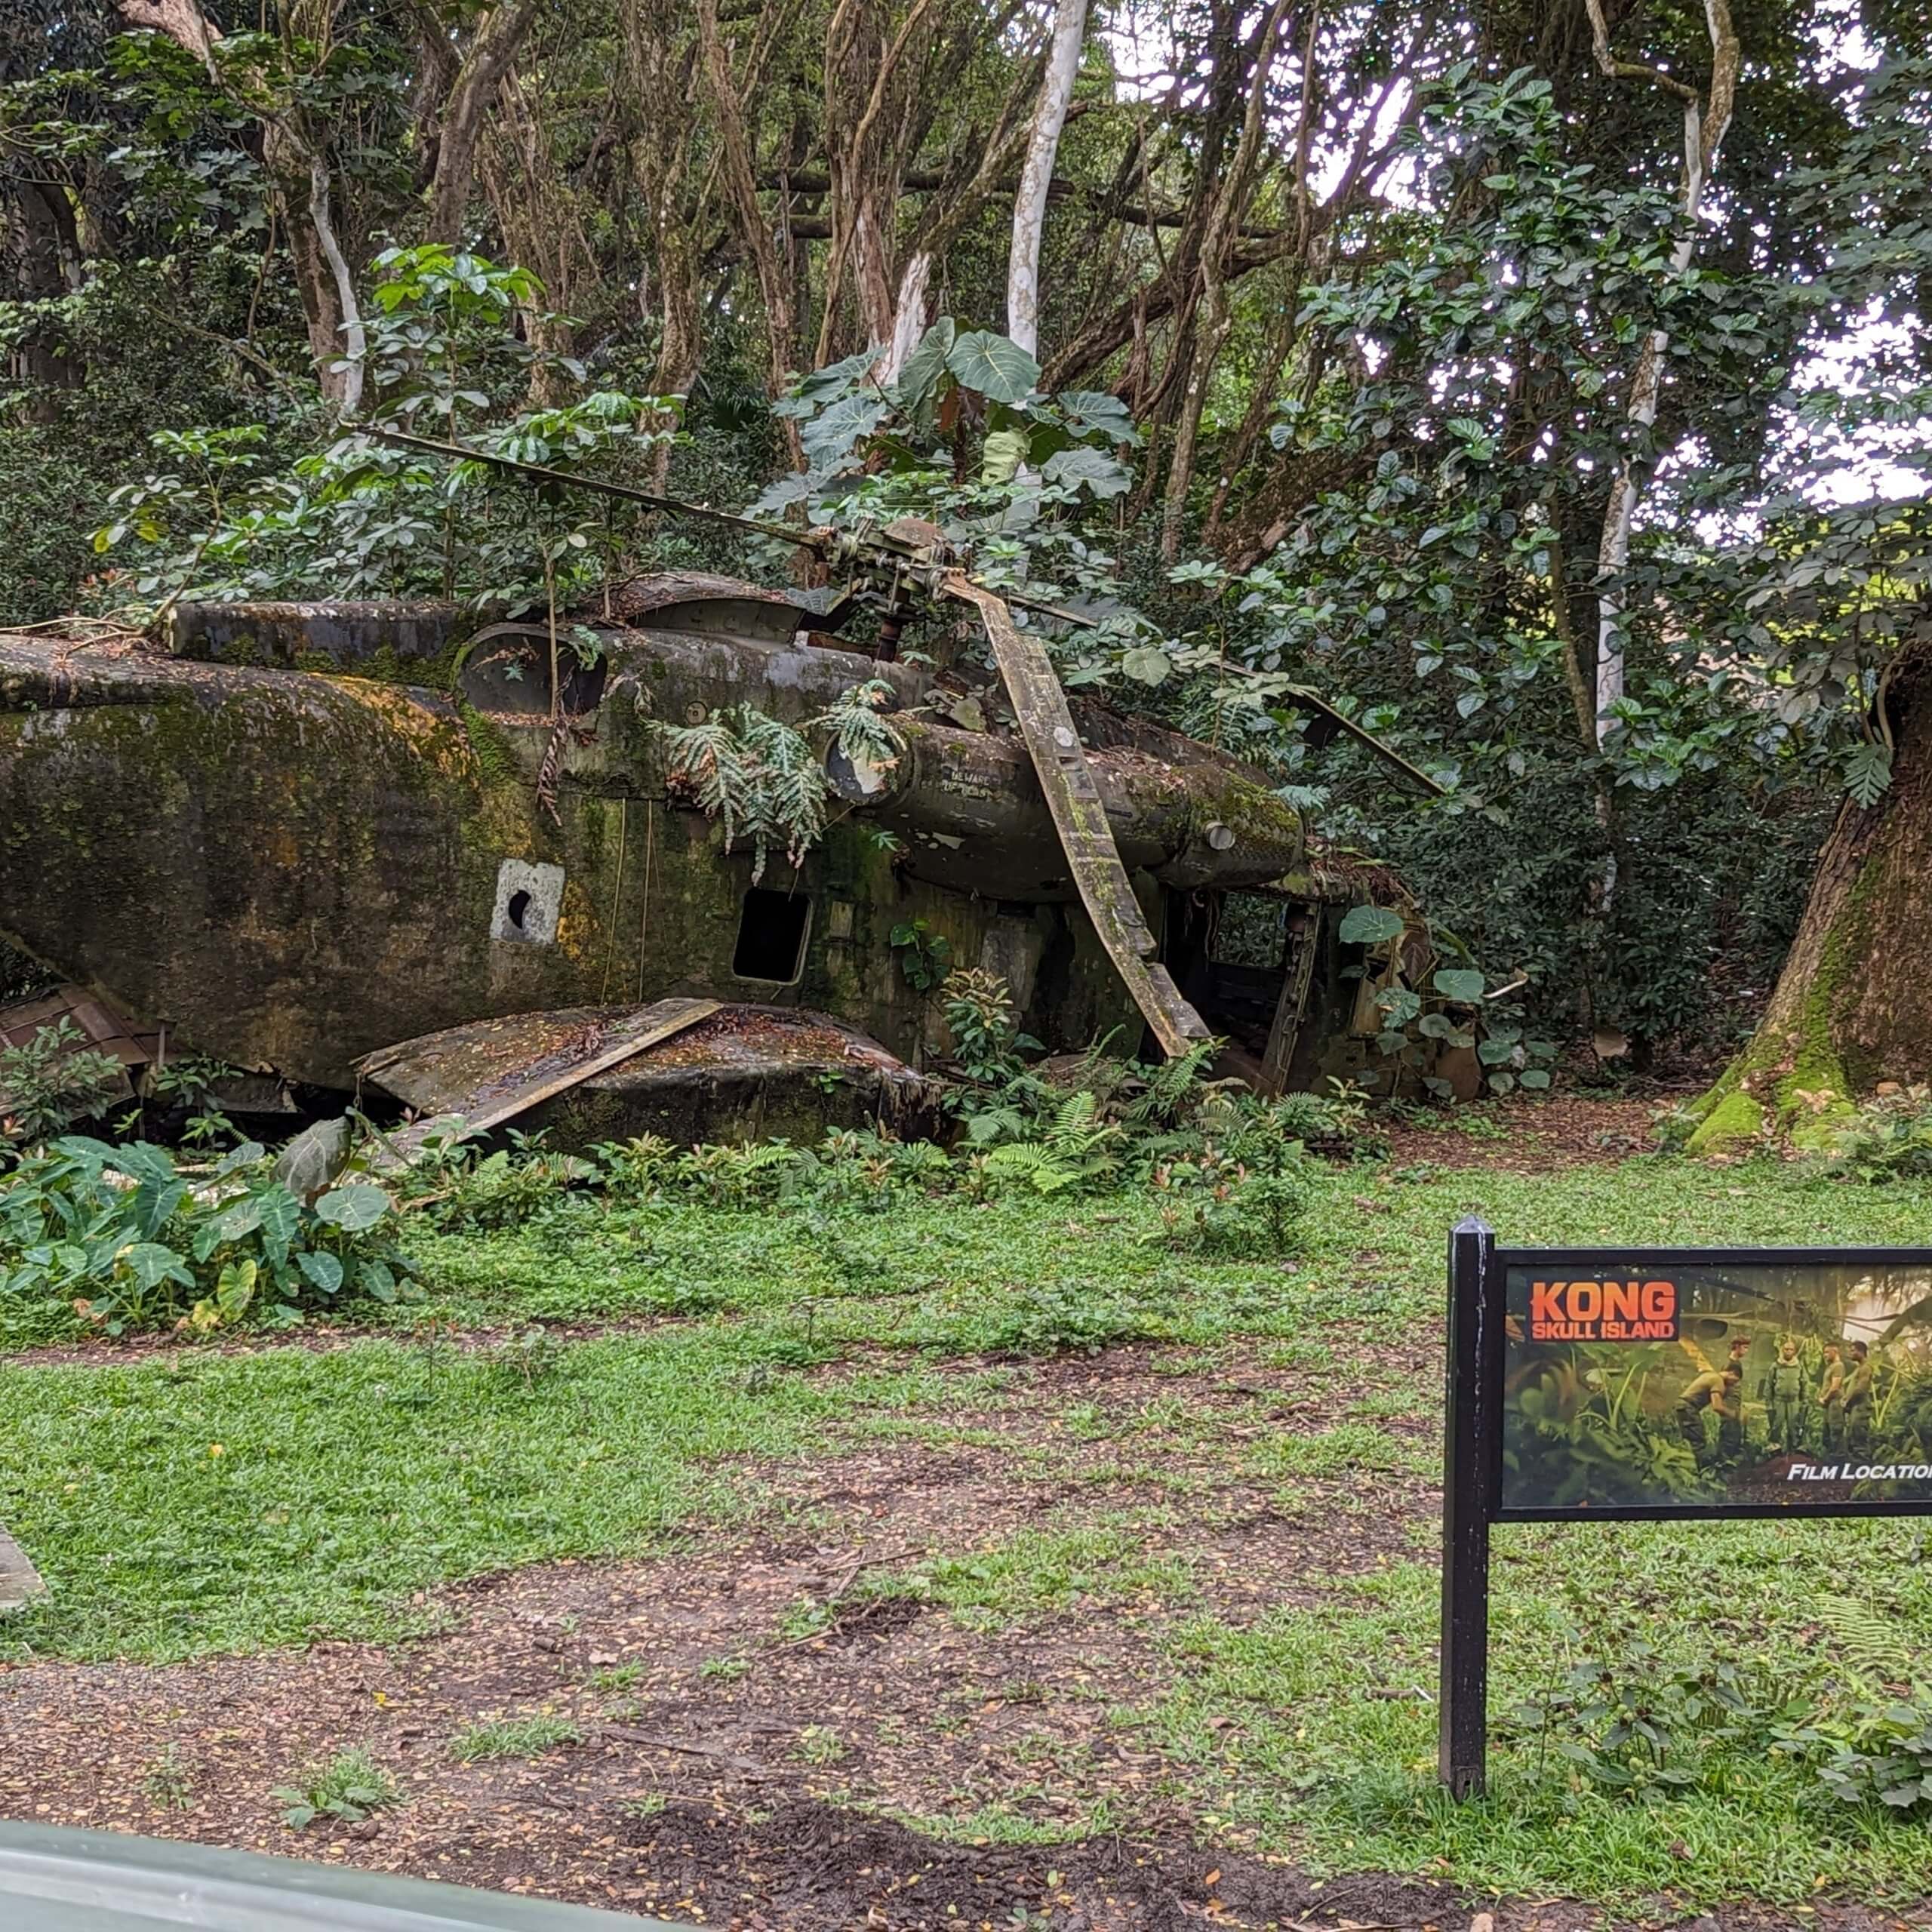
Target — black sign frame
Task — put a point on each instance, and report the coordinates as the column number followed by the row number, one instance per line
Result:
column 1472, row 1455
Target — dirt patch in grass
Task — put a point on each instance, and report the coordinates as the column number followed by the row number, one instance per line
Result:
column 850, row 1659
column 1522, row 1136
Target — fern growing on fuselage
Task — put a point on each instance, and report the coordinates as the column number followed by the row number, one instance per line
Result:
column 762, row 779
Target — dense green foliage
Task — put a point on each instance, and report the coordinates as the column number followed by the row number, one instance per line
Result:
column 124, row 1238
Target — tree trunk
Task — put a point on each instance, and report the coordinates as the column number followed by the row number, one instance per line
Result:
column 45, row 269
column 296, row 164
column 1706, row 119
column 1029, row 205
column 1853, row 1004
column 498, row 34
column 741, row 178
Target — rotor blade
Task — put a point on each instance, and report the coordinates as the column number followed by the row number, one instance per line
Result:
column 1300, row 694
column 542, row 473
column 1080, row 817
column 1313, row 701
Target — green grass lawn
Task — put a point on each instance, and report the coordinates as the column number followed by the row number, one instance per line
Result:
column 201, row 1503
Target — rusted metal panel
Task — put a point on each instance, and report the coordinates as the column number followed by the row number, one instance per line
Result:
column 491, row 1070
column 1073, row 800
column 102, row 1029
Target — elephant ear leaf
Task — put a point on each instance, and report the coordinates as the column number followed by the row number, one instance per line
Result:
column 993, row 366
column 1369, row 925
column 353, row 1209
column 920, row 373
column 1093, row 469
column 311, row 1160
column 1004, row 451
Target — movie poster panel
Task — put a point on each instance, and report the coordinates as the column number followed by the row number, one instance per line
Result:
column 1753, row 1382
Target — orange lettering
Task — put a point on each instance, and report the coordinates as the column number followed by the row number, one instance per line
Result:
column 1586, row 1301
column 1545, row 1307
column 1620, row 1301
column 1660, row 1300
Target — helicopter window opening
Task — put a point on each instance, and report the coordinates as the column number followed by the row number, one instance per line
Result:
column 529, row 897
column 509, row 675
column 1231, row 957
column 771, row 936
column 1252, row 930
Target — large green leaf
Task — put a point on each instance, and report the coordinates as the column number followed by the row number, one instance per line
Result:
column 1461, row 984
column 835, row 375
column 828, row 438
column 235, row 1289
column 1398, row 1004
column 919, row 375
column 140, row 1161
column 1096, row 409
column 154, row 1204
column 1147, row 664
column 243, row 1218
column 323, row 1268
column 1094, row 470
column 993, row 365
column 1369, row 925
column 281, row 1214
column 354, row 1209
column 313, row 1159
column 151, row 1264
column 1000, row 456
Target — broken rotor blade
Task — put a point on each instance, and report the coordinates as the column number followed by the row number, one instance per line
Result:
column 542, row 473
column 1313, row 701
column 1073, row 801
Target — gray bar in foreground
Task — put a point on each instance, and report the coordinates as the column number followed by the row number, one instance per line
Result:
column 53, row 1879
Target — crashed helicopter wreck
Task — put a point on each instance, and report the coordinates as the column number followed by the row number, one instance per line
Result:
column 407, row 846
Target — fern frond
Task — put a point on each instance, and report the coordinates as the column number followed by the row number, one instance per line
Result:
column 858, row 728
column 758, row 776
column 1865, row 1639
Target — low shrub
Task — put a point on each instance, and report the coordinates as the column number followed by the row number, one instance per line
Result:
column 1888, row 1138
column 52, row 1080
column 128, row 1238
column 1058, row 1316
column 1212, row 1200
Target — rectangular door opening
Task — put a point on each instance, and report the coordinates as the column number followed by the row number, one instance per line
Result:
column 771, row 936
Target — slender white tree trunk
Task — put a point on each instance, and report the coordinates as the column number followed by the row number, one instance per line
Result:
column 1029, row 204
column 1704, row 122
column 355, row 343
column 908, row 319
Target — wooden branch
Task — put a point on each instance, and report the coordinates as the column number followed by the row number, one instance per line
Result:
column 1631, row 70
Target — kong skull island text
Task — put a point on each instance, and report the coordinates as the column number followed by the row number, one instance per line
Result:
column 1748, row 1380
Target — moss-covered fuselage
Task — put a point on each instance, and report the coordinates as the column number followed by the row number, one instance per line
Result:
column 291, row 867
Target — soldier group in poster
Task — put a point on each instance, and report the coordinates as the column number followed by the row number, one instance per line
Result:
column 1633, row 1387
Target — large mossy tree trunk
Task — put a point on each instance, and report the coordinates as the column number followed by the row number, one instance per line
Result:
column 1853, row 1006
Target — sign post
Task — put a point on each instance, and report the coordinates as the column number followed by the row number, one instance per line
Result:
column 1467, row 1508
column 1620, row 1384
